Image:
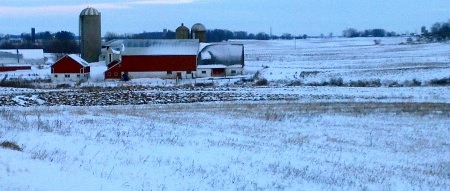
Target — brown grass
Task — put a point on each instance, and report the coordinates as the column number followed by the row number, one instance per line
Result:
column 10, row 145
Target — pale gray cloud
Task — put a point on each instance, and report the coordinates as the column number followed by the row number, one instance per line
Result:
column 26, row 11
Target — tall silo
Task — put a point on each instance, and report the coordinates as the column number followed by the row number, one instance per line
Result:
column 198, row 31
column 90, row 34
column 182, row 32
column 33, row 35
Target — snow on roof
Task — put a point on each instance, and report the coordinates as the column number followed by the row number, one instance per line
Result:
column 203, row 45
column 156, row 47
column 78, row 59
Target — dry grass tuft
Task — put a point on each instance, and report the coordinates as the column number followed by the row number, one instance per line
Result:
column 10, row 145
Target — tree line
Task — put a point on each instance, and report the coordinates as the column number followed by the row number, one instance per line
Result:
column 439, row 31
column 352, row 33
column 214, row 35
column 67, row 42
column 59, row 42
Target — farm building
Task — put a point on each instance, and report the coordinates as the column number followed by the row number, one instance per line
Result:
column 13, row 67
column 110, row 53
column 20, row 59
column 22, row 56
column 166, row 59
column 70, row 68
column 220, row 60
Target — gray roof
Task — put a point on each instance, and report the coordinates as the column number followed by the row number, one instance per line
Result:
column 143, row 47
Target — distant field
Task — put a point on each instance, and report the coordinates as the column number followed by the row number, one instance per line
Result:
column 349, row 59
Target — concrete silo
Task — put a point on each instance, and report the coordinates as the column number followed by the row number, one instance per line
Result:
column 182, row 32
column 90, row 34
column 198, row 31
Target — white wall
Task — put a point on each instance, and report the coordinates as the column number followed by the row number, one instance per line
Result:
column 238, row 70
column 203, row 72
column 161, row 75
column 71, row 77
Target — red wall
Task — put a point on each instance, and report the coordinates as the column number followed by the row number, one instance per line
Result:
column 68, row 65
column 14, row 68
column 154, row 64
column 159, row 63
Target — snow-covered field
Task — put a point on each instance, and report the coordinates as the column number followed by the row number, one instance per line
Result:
column 316, row 60
column 313, row 138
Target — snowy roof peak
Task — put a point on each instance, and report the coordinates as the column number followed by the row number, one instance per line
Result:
column 78, row 59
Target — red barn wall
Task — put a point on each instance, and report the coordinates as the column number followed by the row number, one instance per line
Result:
column 159, row 63
column 154, row 64
column 67, row 65
column 14, row 68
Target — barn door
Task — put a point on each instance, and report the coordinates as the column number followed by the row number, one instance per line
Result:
column 218, row 72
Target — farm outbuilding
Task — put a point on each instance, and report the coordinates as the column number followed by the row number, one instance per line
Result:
column 12, row 60
column 220, row 60
column 70, row 68
column 166, row 59
column 22, row 56
column 13, row 67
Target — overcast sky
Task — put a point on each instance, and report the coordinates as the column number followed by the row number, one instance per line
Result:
column 311, row 17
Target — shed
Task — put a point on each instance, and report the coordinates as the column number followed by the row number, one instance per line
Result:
column 13, row 67
column 70, row 68
column 26, row 56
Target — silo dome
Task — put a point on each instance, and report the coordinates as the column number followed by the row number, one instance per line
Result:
column 198, row 27
column 89, row 11
column 198, row 31
column 182, row 28
column 182, row 32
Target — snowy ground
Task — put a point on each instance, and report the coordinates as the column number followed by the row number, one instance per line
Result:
column 315, row 138
column 228, row 146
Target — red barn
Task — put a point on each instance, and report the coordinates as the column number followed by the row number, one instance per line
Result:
column 12, row 67
column 70, row 68
column 154, row 59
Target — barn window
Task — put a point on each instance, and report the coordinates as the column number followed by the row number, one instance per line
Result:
column 188, row 72
column 109, row 73
column 116, row 74
column 233, row 71
column 56, row 76
column 67, row 75
column 78, row 75
column 203, row 72
column 169, row 72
